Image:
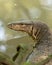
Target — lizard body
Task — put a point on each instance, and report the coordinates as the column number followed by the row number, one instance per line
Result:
column 38, row 31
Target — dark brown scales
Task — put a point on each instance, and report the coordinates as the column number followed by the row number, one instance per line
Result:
column 42, row 32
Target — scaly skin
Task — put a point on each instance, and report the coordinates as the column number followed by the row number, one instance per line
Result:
column 38, row 31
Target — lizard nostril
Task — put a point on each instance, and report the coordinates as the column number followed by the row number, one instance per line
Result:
column 9, row 26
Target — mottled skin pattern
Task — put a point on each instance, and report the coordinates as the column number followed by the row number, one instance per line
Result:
column 38, row 31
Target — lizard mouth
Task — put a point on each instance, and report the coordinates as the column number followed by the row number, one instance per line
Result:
column 25, row 27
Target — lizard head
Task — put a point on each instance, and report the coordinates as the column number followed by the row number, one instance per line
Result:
column 26, row 27
column 37, row 30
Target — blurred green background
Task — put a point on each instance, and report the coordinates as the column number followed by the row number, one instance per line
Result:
column 17, row 11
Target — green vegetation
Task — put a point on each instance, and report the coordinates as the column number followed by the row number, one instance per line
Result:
column 5, row 59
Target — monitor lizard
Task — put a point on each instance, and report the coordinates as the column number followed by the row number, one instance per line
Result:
column 40, row 32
